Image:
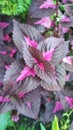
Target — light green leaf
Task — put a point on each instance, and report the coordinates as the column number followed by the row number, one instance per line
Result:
column 42, row 127
column 5, row 121
column 55, row 125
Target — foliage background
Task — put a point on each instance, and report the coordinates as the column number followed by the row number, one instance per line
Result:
column 19, row 8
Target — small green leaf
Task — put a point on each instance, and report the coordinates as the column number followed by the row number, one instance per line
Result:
column 55, row 125
column 42, row 127
column 5, row 121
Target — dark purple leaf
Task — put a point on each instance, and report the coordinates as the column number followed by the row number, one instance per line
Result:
column 7, row 19
column 5, row 60
column 67, row 93
column 60, row 73
column 51, row 85
column 29, row 109
column 5, row 107
column 31, row 32
column 31, row 21
column 63, row 101
column 29, row 60
column 18, row 36
column 1, row 36
column 47, row 115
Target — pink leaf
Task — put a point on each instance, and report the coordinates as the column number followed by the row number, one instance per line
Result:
column 4, row 24
column 25, row 72
column 58, row 107
column 30, row 42
column 48, row 55
column 46, row 21
column 47, row 4
column 70, row 101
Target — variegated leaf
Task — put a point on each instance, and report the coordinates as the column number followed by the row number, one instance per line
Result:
column 58, row 44
column 21, row 30
column 28, row 84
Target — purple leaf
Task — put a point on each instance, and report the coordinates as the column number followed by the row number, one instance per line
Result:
column 4, row 60
column 29, row 60
column 28, row 84
column 47, row 4
column 32, row 111
column 60, row 73
column 63, row 101
column 23, row 30
column 36, row 11
column 46, row 21
column 51, row 85
column 66, row 21
column 1, row 36
column 68, row 63
column 70, row 101
column 58, row 44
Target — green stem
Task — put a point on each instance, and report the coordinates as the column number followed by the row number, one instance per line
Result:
column 66, row 5
column 70, row 112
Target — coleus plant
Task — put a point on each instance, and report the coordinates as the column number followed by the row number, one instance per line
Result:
column 34, row 84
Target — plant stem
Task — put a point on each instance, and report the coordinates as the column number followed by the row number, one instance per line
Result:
column 57, row 8
column 66, row 5
column 57, row 15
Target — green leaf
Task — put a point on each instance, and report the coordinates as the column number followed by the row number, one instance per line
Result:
column 55, row 125
column 5, row 121
column 42, row 127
